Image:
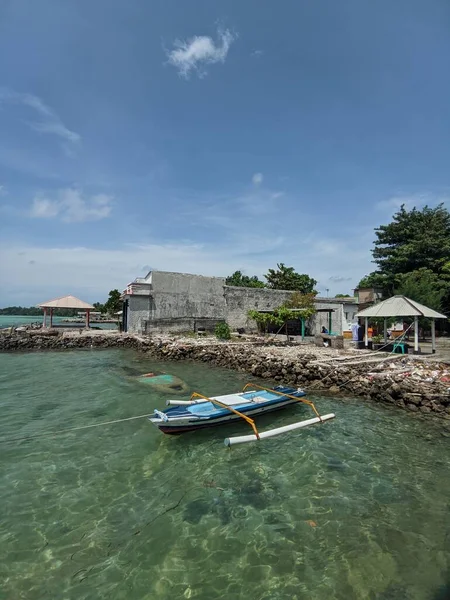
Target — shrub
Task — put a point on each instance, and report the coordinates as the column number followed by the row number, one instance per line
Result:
column 222, row 331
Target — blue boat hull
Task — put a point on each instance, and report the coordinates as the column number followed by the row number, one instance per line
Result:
column 195, row 427
column 182, row 419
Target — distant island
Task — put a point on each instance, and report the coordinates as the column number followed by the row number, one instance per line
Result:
column 33, row 311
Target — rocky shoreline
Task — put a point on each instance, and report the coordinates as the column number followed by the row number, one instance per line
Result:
column 418, row 385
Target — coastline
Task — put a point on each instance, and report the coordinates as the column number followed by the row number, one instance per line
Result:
column 412, row 383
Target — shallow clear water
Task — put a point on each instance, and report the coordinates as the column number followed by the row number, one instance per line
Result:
column 356, row 508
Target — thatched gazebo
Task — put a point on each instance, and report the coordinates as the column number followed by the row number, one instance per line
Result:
column 65, row 302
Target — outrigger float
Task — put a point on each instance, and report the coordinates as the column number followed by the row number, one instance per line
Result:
column 201, row 412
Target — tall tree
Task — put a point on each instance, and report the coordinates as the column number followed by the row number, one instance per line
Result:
column 303, row 302
column 423, row 286
column 114, row 302
column 412, row 254
column 415, row 239
column 376, row 279
column 238, row 279
column 286, row 278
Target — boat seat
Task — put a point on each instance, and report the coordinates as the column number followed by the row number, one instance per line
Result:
column 232, row 399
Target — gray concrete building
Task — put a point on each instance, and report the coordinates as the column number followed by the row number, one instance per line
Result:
column 180, row 302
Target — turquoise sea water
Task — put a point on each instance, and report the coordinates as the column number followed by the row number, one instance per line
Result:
column 358, row 508
column 17, row 320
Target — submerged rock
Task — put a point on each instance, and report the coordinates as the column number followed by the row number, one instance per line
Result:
column 195, row 510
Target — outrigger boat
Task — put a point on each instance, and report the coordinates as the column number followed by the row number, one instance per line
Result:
column 201, row 411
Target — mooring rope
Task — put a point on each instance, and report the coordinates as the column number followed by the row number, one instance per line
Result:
column 362, row 360
column 68, row 430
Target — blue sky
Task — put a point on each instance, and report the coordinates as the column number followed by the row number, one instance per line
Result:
column 206, row 137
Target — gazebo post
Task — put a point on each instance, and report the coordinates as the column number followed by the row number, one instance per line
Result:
column 366, row 332
column 433, row 336
column 399, row 307
column 416, row 335
column 303, row 328
column 329, row 322
column 63, row 303
column 385, row 330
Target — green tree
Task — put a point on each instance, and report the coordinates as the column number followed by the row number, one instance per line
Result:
column 99, row 307
column 375, row 279
column 114, row 302
column 343, row 296
column 238, row 279
column 423, row 286
column 285, row 278
column 297, row 306
column 412, row 253
column 30, row 311
column 300, row 305
column 415, row 239
column 263, row 320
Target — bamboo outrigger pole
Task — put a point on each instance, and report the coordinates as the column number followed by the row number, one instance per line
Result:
column 242, row 439
column 311, row 404
column 251, row 422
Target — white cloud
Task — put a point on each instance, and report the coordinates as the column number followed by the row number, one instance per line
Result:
column 72, row 207
column 237, row 232
column 339, row 278
column 197, row 52
column 91, row 272
column 43, row 208
column 257, row 53
column 56, row 128
column 3, row 191
column 276, row 195
column 393, row 204
column 257, row 178
column 49, row 122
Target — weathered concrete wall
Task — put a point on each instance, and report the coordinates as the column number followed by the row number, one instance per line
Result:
column 338, row 323
column 350, row 310
column 176, row 301
column 240, row 300
column 180, row 296
column 180, row 325
column 140, row 310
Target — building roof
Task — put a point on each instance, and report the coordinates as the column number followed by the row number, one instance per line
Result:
column 400, row 306
column 339, row 300
column 66, row 302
